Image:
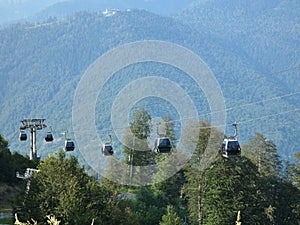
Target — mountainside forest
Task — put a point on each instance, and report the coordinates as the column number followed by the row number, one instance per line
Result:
column 240, row 190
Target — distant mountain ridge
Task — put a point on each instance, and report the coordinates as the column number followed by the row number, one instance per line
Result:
column 37, row 11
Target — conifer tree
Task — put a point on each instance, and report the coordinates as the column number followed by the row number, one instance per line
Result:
column 171, row 217
column 296, row 175
column 196, row 181
column 169, row 185
column 136, row 150
column 263, row 153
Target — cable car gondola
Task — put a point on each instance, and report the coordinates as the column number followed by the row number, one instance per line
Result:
column 230, row 146
column 107, row 148
column 49, row 137
column 69, row 145
column 23, row 136
column 162, row 145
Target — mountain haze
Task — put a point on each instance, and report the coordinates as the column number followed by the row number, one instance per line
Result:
column 37, row 11
column 252, row 48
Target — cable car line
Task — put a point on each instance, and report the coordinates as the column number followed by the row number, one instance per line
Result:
column 69, row 144
column 265, row 100
column 242, row 82
column 225, row 124
column 247, row 104
column 271, row 115
column 253, row 103
column 207, row 114
column 286, row 70
column 210, row 113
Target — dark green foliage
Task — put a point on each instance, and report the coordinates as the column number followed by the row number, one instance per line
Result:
column 141, row 125
column 264, row 155
column 213, row 194
column 149, row 206
column 231, row 185
column 136, row 142
column 216, row 194
column 168, row 128
column 170, row 218
column 136, row 150
column 296, row 171
column 62, row 188
column 194, row 171
column 287, row 209
column 10, row 163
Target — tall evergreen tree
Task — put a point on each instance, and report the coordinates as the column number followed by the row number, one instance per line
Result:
column 196, row 181
column 168, row 127
column 171, row 217
column 287, row 209
column 263, row 153
column 296, row 175
column 136, row 150
column 231, row 186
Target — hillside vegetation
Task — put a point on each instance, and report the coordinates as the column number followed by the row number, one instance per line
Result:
column 256, row 188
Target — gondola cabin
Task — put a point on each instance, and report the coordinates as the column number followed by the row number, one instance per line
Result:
column 230, row 147
column 49, row 137
column 69, row 145
column 23, row 136
column 107, row 150
column 162, row 145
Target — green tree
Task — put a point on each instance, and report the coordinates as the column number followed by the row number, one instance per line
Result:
column 62, row 188
column 217, row 188
column 5, row 156
column 10, row 163
column 136, row 150
column 195, row 180
column 263, row 153
column 287, row 209
column 141, row 125
column 149, row 206
column 231, row 186
column 171, row 218
column 296, row 174
column 168, row 127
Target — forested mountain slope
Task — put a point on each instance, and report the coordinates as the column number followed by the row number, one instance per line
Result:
column 41, row 65
column 266, row 34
